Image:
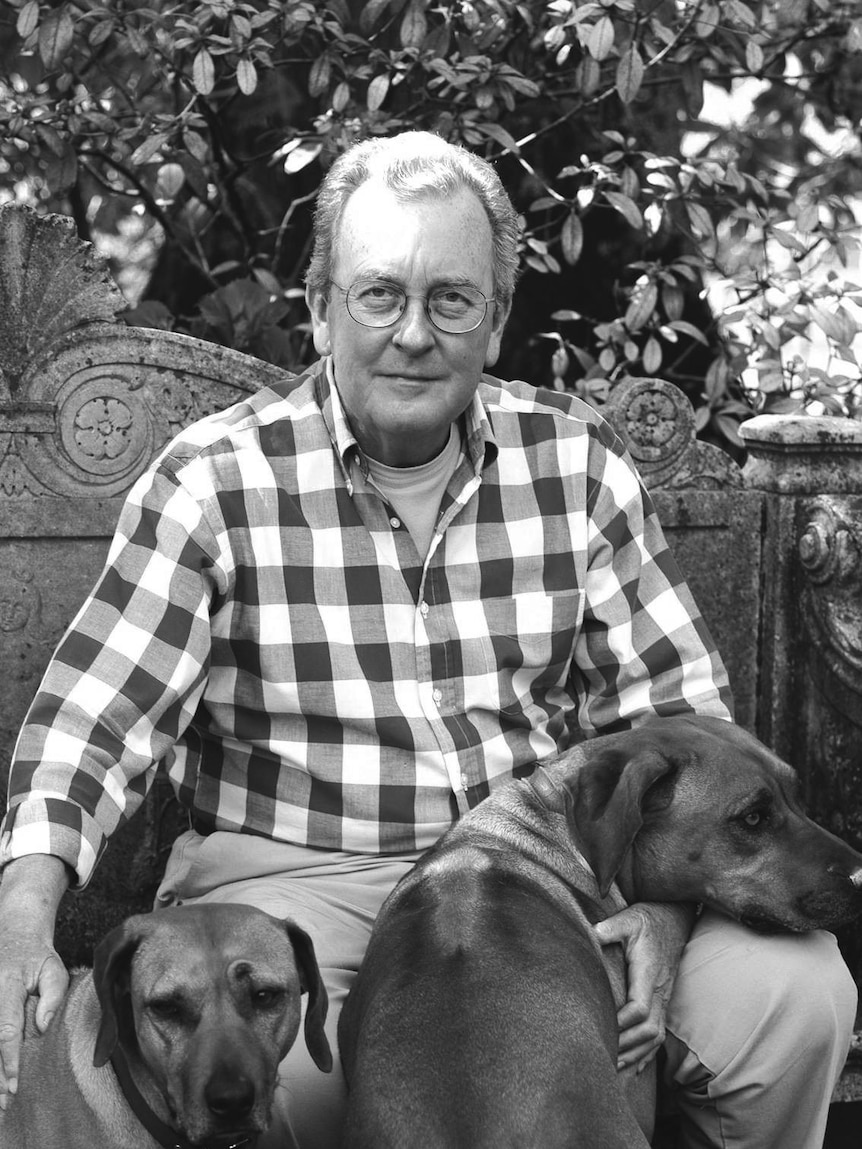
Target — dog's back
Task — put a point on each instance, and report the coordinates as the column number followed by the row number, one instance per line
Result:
column 505, row 967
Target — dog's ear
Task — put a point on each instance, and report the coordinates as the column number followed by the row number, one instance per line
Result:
column 112, row 961
column 609, row 801
column 318, row 1001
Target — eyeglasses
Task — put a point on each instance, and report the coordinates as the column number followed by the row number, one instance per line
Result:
column 453, row 308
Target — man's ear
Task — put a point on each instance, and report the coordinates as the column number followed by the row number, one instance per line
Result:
column 498, row 322
column 318, row 307
column 608, row 803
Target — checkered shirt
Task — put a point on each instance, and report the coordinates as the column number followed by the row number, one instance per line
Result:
column 265, row 631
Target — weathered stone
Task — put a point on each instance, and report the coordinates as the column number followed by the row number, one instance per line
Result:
column 712, row 524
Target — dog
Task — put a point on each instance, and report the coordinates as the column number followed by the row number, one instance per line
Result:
column 484, row 1012
column 174, row 1038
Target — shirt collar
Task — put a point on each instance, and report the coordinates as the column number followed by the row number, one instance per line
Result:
column 481, row 443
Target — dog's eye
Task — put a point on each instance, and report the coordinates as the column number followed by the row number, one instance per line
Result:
column 165, row 1008
column 754, row 818
column 267, row 998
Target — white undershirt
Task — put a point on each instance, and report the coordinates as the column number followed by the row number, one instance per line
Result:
column 415, row 492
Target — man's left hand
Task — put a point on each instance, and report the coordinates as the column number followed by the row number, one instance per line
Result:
column 653, row 936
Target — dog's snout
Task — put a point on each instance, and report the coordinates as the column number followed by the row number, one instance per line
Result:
column 229, row 1094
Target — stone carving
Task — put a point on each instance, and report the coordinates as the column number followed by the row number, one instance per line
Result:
column 656, row 422
column 86, row 402
column 829, row 549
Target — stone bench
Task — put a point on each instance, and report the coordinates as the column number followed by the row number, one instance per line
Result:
column 772, row 553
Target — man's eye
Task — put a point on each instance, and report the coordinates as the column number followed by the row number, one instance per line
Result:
column 376, row 293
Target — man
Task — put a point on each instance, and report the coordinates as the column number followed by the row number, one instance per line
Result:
column 344, row 610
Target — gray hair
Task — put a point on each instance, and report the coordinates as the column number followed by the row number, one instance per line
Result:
column 414, row 164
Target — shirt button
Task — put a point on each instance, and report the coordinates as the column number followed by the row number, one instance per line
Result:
column 465, row 782
column 395, row 522
column 424, row 609
column 437, row 695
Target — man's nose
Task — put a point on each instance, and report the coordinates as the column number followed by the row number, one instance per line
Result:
column 414, row 331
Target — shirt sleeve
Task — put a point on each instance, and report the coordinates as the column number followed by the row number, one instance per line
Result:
column 644, row 649
column 122, row 686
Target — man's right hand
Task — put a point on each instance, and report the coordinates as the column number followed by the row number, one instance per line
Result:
column 30, row 892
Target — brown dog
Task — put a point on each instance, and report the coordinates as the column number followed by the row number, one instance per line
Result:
column 483, row 1015
column 175, row 1038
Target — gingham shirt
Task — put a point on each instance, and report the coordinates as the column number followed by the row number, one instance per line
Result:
column 266, row 630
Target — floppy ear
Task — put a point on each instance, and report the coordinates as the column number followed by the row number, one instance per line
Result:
column 111, row 977
column 318, row 1001
column 608, row 803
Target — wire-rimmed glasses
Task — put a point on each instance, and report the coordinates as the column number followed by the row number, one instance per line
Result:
column 455, row 308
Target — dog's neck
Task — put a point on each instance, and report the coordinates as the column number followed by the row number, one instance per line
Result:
column 158, row 1129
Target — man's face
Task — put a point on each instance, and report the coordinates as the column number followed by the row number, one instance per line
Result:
column 403, row 386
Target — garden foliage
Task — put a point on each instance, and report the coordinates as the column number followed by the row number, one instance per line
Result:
column 187, row 139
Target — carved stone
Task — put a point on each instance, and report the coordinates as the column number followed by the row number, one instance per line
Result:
column 656, row 422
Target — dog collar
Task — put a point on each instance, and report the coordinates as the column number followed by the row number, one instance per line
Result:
column 166, row 1136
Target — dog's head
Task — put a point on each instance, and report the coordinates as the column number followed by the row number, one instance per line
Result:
column 696, row 809
column 205, row 1002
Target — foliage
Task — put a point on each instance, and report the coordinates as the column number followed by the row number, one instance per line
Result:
column 654, row 241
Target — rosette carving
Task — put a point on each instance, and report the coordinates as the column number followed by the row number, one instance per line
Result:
column 656, row 422
column 86, row 402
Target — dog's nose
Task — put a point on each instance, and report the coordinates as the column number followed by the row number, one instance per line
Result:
column 229, row 1094
column 854, row 877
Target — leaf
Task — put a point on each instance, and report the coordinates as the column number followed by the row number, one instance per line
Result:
column 203, row 72
column 701, row 221
column 318, row 77
column 169, row 180
column 246, row 75
column 28, row 19
column 627, row 208
column 498, row 132
column 601, row 39
column 588, row 76
column 630, row 74
column 144, row 152
column 652, row 356
column 371, row 13
column 753, row 57
column 572, row 237
column 377, row 92
column 414, row 24
column 641, row 308
column 56, row 34
column 690, row 330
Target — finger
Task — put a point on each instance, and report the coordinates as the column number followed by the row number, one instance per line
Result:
column 11, row 1031
column 638, row 1059
column 52, row 986
column 650, row 1032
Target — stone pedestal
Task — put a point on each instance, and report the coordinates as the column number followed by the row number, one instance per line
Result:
column 810, row 697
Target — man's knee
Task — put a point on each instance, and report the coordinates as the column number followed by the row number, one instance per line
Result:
column 737, row 990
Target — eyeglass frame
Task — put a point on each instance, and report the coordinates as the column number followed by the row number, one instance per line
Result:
column 488, row 300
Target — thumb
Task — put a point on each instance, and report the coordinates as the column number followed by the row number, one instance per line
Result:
column 52, row 985
column 611, row 930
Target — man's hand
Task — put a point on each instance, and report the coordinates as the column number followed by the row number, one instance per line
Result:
column 653, row 936
column 30, row 892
